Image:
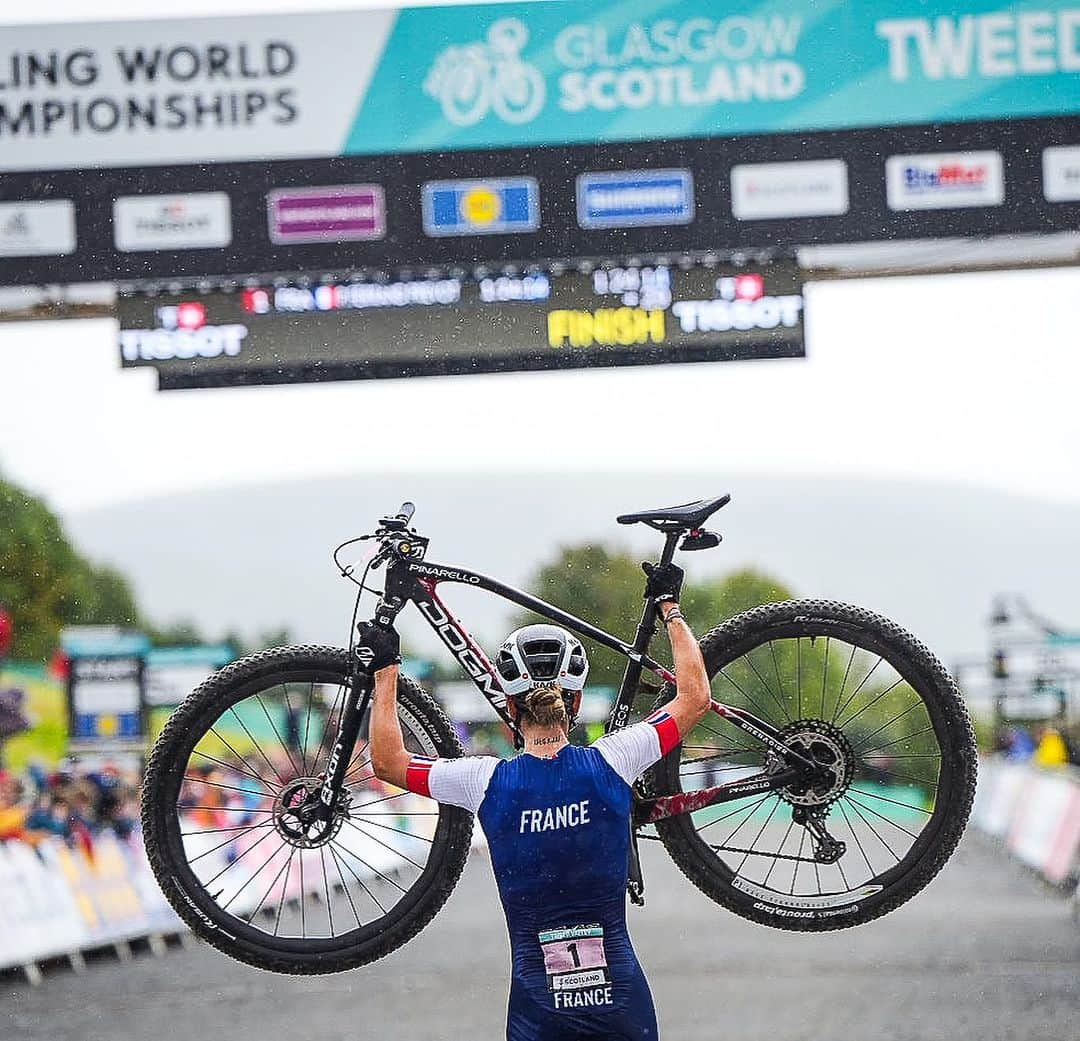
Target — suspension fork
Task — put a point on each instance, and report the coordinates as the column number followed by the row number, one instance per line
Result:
column 357, row 700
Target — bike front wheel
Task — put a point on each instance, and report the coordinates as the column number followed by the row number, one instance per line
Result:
column 240, row 754
column 877, row 711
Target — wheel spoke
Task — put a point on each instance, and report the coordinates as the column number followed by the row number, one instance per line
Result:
column 326, row 729
column 873, row 830
column 798, row 674
column 333, row 857
column 895, row 802
column 239, row 770
column 903, row 777
column 888, row 820
column 761, row 831
column 244, row 760
column 218, row 784
column 232, row 863
column 407, row 834
column 281, row 845
column 824, row 678
column 273, row 882
column 749, row 816
column 739, row 809
column 258, row 747
column 869, row 866
column 284, row 890
column 843, row 682
column 757, row 708
column 371, row 867
column 906, row 737
column 273, row 726
column 226, row 842
column 871, row 704
column 798, row 864
column 874, row 733
column 779, row 850
column 307, row 726
column 363, row 885
column 326, row 891
column 855, row 693
column 375, row 838
column 761, row 680
column 239, row 827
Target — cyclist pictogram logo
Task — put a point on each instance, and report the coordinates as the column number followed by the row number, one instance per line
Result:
column 472, row 80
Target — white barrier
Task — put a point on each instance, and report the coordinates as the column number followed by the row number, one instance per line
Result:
column 56, row 900
column 1036, row 812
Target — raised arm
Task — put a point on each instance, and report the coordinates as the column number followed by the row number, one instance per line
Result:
column 389, row 758
column 692, row 691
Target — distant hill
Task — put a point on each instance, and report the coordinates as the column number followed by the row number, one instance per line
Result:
column 931, row 556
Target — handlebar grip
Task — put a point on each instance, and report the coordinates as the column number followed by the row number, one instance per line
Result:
column 406, row 512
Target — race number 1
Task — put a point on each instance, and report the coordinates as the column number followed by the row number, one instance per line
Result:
column 574, row 957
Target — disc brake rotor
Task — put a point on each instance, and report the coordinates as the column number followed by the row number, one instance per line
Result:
column 297, row 813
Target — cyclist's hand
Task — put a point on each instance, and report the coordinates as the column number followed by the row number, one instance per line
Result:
column 664, row 582
column 377, row 646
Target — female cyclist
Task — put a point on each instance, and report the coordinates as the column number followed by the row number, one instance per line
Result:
column 557, row 821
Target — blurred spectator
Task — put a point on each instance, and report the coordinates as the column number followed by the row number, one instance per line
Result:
column 12, row 811
column 1051, row 750
column 71, row 803
column 1017, row 744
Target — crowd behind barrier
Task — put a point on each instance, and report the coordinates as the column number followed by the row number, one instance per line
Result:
column 74, row 874
column 1035, row 812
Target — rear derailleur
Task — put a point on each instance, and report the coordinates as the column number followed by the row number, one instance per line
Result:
column 827, row 850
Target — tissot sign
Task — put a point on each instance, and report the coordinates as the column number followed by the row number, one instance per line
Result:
column 512, row 75
column 357, row 330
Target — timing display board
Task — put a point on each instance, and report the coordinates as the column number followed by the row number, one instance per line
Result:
column 366, row 330
column 403, row 138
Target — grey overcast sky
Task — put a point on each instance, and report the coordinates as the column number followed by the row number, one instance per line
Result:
column 963, row 378
column 966, row 379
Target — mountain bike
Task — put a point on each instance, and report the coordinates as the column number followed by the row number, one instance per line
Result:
column 828, row 785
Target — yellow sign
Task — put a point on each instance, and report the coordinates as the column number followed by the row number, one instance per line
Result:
column 481, row 206
column 108, row 725
column 606, row 327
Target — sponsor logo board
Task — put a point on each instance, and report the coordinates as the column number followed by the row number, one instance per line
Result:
column 813, row 188
column 481, row 207
column 37, row 229
column 632, row 198
column 1061, row 173
column 943, row 181
column 201, row 220
column 331, row 214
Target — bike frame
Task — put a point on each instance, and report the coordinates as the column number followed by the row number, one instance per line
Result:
column 410, row 578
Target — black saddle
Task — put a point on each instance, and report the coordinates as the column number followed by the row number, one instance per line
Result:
column 689, row 516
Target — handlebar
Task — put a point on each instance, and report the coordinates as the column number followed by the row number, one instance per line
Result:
column 400, row 521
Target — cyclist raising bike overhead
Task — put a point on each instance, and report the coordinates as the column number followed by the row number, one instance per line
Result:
column 557, row 820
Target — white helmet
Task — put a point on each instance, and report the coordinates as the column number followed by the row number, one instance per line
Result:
column 536, row 654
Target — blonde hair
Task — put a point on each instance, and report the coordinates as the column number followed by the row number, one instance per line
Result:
column 544, row 705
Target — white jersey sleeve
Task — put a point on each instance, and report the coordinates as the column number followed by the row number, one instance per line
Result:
column 458, row 782
column 632, row 751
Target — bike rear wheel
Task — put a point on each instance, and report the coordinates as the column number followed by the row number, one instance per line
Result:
column 244, row 749
column 872, row 704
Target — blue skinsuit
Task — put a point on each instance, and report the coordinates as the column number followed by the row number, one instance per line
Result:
column 558, row 871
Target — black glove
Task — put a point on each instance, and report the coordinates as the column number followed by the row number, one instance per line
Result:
column 377, row 646
column 665, row 582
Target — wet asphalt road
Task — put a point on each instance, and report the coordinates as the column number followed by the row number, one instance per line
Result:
column 985, row 953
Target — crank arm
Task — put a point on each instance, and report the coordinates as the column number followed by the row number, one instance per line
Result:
column 646, row 811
